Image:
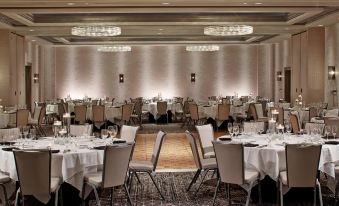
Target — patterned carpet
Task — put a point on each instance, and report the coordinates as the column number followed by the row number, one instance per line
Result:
column 173, row 187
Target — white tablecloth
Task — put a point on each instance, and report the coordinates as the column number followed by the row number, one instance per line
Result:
column 52, row 109
column 152, row 107
column 110, row 112
column 210, row 111
column 7, row 119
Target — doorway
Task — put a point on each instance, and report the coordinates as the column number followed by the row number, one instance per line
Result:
column 287, row 86
column 28, row 84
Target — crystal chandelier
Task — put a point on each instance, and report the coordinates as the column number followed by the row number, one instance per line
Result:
column 228, row 30
column 202, row 48
column 118, row 48
column 96, row 31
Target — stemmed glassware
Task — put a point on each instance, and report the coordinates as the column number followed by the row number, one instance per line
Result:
column 334, row 131
column 230, row 128
column 327, row 131
column 235, row 129
column 288, row 127
column 104, row 133
column 112, row 131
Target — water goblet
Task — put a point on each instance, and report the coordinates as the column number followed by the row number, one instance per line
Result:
column 334, row 131
column 327, row 131
column 104, row 133
column 230, row 129
column 236, row 130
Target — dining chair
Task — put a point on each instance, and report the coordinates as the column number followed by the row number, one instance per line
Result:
column 223, row 114
column 22, row 117
column 128, row 133
column 194, row 111
column 148, row 166
column 4, row 179
column 186, row 113
column 98, row 115
column 206, row 136
column 294, row 123
column 115, row 168
column 332, row 121
column 38, row 124
column 256, row 112
column 125, row 117
column 33, row 119
column 80, row 113
column 302, row 163
column 61, row 111
column 34, row 176
column 161, row 110
column 95, row 102
column 313, row 112
column 138, row 113
column 231, row 167
column 202, row 164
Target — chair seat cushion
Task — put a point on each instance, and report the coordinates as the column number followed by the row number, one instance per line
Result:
column 32, row 121
column 94, row 178
column 209, row 152
column 55, row 182
column 283, row 177
column 209, row 163
column 141, row 165
column 251, row 175
column 4, row 178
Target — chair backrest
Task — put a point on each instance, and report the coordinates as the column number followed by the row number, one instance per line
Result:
column 194, row 148
column 42, row 115
column 230, row 161
column 162, row 107
column 36, row 112
column 116, row 161
column 127, row 110
column 186, row 107
column 193, row 108
column 313, row 112
column 61, row 110
column 252, row 111
column 128, row 133
column 65, row 105
column 302, row 163
column 98, row 113
column 95, row 102
column 157, row 148
column 138, row 107
column 34, row 171
column 223, row 111
column 259, row 110
column 80, row 113
column 206, row 136
column 22, row 117
column 281, row 115
column 294, row 123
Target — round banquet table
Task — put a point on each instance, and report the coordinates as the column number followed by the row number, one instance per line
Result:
column 152, row 107
column 266, row 154
column 71, row 162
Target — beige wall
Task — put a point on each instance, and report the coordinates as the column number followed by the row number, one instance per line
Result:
column 149, row 70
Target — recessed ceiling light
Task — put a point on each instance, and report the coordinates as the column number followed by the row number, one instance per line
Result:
column 33, row 40
column 320, row 25
column 70, row 4
column 165, row 3
column 31, row 30
column 258, row 3
column 161, row 29
column 244, row 3
column 159, row 33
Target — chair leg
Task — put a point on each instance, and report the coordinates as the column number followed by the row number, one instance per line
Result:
column 320, row 194
column 315, row 196
column 131, row 181
column 56, row 197
column 111, row 202
column 137, row 176
column 5, row 194
column 281, row 195
column 83, row 195
column 61, row 197
column 194, row 179
column 229, row 194
column 156, row 185
column 17, row 197
column 203, row 178
column 216, row 191
column 249, row 194
column 96, row 194
column 128, row 195
column 259, row 191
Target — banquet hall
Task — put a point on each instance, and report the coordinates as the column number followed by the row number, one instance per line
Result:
column 169, row 102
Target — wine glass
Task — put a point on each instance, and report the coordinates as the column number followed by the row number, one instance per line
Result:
column 25, row 131
column 32, row 133
column 235, row 130
column 113, row 131
column 230, row 128
column 334, row 131
column 104, row 133
column 288, row 127
column 327, row 131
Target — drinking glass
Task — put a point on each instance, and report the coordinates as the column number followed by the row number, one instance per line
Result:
column 236, row 130
column 113, row 131
column 104, row 133
column 230, row 128
column 288, row 127
column 25, row 131
column 327, row 131
column 32, row 133
column 334, row 131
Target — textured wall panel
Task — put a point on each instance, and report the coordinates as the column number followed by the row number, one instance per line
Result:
column 149, row 70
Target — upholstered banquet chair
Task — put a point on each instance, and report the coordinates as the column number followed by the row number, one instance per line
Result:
column 202, row 164
column 230, row 161
column 80, row 113
column 194, row 112
column 115, row 168
column 138, row 113
column 256, row 112
column 161, row 110
column 34, row 175
column 148, row 166
column 223, row 114
column 206, row 136
column 99, row 118
column 125, row 117
column 294, row 123
column 39, row 122
column 302, row 163
column 22, row 117
column 128, row 133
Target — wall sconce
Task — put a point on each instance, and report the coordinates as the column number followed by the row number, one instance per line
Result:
column 279, row 76
column 192, row 77
column 331, row 72
column 121, row 78
column 36, row 78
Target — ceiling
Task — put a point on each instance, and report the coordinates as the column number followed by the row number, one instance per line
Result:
column 166, row 21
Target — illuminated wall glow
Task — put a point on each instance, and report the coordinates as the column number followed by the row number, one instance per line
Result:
column 150, row 70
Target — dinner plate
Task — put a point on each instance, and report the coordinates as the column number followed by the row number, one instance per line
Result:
column 225, row 138
column 9, row 149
